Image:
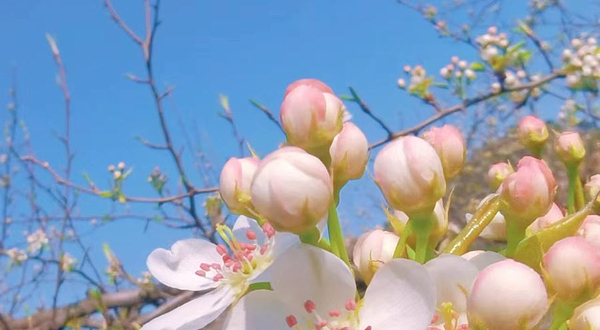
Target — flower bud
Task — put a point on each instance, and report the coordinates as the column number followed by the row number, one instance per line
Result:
column 533, row 132
column 451, row 147
column 586, row 316
column 592, row 187
column 555, row 214
column 528, row 193
column 572, row 267
column 410, row 175
column 349, row 154
column 235, row 182
column 507, row 295
column 590, row 229
column 292, row 190
column 497, row 173
column 372, row 250
column 570, row 148
column 311, row 115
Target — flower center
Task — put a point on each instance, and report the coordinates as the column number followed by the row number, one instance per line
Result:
column 346, row 319
column 240, row 259
column 447, row 318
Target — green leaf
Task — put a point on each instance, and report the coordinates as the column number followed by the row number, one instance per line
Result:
column 515, row 47
column 106, row 194
column 477, row 66
column 346, row 97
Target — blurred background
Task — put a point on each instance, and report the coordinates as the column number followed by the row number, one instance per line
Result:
column 79, row 107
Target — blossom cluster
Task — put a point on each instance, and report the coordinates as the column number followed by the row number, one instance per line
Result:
column 582, row 62
column 284, row 263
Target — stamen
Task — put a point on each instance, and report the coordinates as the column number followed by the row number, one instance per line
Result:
column 205, row 267
column 268, row 230
column 350, row 305
column 310, row 306
column 218, row 277
column 201, row 273
column 221, row 250
column 291, row 321
column 216, row 266
column 334, row 313
column 250, row 235
column 368, row 328
column 321, row 324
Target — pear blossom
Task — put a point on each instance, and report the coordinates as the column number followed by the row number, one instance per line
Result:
column 227, row 271
column 533, row 132
column 572, row 267
column 590, row 229
column 586, row 316
column 37, row 240
column 292, row 190
column 569, row 148
column 234, row 184
column 410, row 175
column 349, row 154
column 313, row 289
column 16, row 256
column 372, row 250
column 451, row 147
column 440, row 227
column 506, row 295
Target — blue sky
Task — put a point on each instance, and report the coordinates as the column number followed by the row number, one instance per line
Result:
column 203, row 48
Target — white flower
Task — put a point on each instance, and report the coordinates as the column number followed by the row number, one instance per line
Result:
column 313, row 288
column 16, row 256
column 37, row 240
column 67, row 262
column 198, row 265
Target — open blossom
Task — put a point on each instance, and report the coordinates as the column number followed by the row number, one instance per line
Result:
column 506, row 295
column 292, row 189
column 235, row 182
column 372, row 250
column 313, row 289
column 67, row 262
column 311, row 114
column 451, row 147
column 349, row 154
column 529, row 192
column 533, row 132
column 37, row 240
column 198, row 265
column 410, row 175
column 572, row 267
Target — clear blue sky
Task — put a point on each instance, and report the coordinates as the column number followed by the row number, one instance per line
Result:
column 239, row 48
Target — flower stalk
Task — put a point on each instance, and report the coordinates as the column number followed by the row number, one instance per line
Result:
column 336, row 236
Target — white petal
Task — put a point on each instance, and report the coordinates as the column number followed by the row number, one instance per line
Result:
column 451, row 273
column 258, row 310
column 401, row 296
column 485, row 259
column 176, row 268
column 282, row 242
column 242, row 225
column 195, row 314
column 309, row 273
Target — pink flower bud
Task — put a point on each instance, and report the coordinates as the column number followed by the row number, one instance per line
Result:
column 590, row 230
column 592, row 187
column 533, row 132
column 507, row 295
column 450, row 145
column 410, row 175
column 292, row 190
column 586, row 316
column 349, row 154
column 440, row 227
column 497, row 173
column 572, row 267
column 311, row 114
column 372, row 250
column 235, row 182
column 555, row 214
column 528, row 193
column 570, row 148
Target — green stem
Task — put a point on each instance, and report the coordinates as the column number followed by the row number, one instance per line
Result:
column 560, row 314
column 579, row 194
column 422, row 229
column 573, row 178
column 399, row 252
column 336, row 237
column 536, row 151
column 515, row 233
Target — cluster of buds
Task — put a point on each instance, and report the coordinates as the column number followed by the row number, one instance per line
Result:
column 157, row 179
column 67, row 262
column 117, row 171
column 418, row 83
column 582, row 63
column 492, row 44
column 458, row 68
